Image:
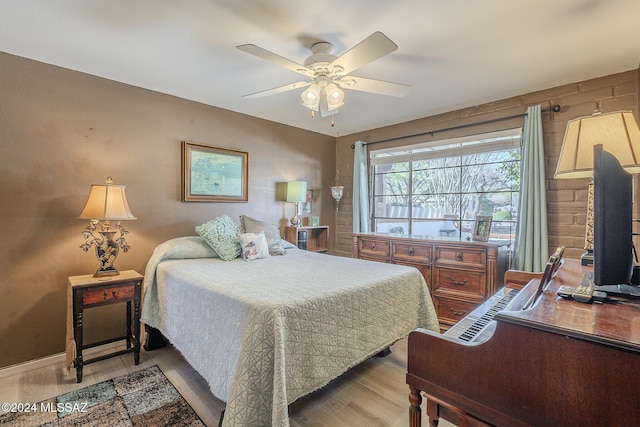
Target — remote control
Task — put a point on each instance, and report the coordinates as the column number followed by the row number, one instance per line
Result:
column 581, row 293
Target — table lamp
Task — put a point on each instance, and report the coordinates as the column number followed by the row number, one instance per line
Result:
column 619, row 135
column 296, row 193
column 107, row 202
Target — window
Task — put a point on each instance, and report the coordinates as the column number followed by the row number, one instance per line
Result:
column 437, row 189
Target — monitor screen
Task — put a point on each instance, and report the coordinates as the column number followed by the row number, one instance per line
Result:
column 612, row 220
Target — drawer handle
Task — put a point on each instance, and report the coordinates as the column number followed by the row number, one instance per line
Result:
column 411, row 251
column 458, row 256
column 458, row 313
column 455, row 282
column 114, row 293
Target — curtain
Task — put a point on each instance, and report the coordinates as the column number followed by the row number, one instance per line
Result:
column 532, row 246
column 360, row 189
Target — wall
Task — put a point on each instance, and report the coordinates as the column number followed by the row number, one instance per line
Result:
column 566, row 199
column 61, row 131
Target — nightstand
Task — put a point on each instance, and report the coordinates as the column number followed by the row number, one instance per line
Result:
column 88, row 292
column 315, row 239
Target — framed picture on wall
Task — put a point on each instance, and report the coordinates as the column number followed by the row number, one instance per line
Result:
column 482, row 228
column 307, row 207
column 212, row 174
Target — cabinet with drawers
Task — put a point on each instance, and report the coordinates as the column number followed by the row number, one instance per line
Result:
column 461, row 274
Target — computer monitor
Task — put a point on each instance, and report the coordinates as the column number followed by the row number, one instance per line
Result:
column 612, row 220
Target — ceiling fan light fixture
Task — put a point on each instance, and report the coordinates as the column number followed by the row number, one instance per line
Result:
column 311, row 97
column 330, row 74
column 335, row 97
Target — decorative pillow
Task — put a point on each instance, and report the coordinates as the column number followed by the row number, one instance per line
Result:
column 250, row 225
column 222, row 235
column 254, row 246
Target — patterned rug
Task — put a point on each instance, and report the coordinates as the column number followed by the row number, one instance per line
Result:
column 143, row 398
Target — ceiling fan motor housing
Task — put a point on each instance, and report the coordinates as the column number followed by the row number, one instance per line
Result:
column 322, row 56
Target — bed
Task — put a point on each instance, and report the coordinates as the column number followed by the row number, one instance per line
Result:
column 266, row 332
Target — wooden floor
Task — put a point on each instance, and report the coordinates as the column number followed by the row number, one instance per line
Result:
column 373, row 393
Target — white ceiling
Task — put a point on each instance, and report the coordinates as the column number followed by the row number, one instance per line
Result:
column 455, row 53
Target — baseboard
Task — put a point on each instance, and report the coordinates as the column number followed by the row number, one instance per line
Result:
column 44, row 362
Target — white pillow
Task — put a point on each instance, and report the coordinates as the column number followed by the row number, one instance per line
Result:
column 271, row 232
column 254, row 245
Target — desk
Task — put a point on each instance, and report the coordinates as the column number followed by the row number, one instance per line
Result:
column 86, row 292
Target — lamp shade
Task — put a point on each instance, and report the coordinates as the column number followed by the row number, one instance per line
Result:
column 107, row 202
column 335, row 97
column 336, row 192
column 617, row 132
column 311, row 97
column 296, row 191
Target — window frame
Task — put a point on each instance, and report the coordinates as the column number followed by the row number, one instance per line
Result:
column 500, row 141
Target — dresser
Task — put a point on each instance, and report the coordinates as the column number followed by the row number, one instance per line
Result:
column 461, row 274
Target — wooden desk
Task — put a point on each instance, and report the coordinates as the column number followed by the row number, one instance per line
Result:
column 87, row 292
column 559, row 363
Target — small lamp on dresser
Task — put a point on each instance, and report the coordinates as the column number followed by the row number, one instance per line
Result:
column 296, row 193
column 107, row 202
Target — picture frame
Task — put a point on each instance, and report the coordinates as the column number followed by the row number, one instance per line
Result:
column 307, row 206
column 214, row 174
column 482, row 228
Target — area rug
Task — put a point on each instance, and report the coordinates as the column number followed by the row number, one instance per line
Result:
column 143, row 398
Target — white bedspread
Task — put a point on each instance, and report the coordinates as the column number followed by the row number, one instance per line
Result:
column 266, row 332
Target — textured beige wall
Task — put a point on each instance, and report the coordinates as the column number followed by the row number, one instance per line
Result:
column 61, row 131
column 566, row 199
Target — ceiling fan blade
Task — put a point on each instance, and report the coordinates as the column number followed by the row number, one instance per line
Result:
column 381, row 87
column 276, row 59
column 275, row 90
column 373, row 47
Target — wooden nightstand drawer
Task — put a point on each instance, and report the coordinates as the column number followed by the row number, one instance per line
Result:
column 108, row 295
column 459, row 281
column 411, row 253
column 373, row 247
column 469, row 257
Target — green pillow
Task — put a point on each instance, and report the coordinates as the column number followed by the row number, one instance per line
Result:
column 222, row 235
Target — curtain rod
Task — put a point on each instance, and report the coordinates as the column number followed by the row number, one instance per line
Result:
column 555, row 108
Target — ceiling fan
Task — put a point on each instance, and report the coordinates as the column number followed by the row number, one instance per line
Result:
column 327, row 73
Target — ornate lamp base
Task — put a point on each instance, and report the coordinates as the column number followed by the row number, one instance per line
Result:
column 107, row 252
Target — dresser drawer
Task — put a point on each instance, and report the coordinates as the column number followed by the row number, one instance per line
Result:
column 425, row 269
column 469, row 257
column 373, row 247
column 373, row 258
column 411, row 253
column 108, row 294
column 458, row 281
column 452, row 311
